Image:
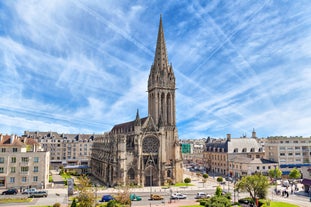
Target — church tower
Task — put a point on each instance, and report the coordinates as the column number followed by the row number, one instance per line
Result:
column 161, row 108
column 161, row 85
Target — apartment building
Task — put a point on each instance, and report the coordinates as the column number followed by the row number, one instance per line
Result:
column 71, row 151
column 23, row 163
column 289, row 152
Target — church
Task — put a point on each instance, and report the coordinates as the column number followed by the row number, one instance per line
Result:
column 144, row 151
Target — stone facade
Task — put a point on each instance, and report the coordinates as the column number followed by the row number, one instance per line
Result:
column 66, row 150
column 145, row 151
column 235, row 157
column 22, row 163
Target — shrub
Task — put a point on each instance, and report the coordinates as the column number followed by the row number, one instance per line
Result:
column 56, row 205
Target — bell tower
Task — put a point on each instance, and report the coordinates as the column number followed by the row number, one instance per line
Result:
column 161, row 85
column 162, row 111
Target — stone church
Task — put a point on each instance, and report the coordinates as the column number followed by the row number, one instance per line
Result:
column 145, row 151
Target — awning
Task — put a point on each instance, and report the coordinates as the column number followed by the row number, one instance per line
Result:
column 306, row 181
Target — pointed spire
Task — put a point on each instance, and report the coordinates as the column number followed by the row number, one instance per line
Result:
column 160, row 59
column 137, row 120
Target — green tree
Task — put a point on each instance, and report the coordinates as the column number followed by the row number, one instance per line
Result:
column 294, row 174
column 74, row 203
column 275, row 173
column 187, row 180
column 256, row 185
column 220, row 179
column 205, row 175
column 218, row 201
column 86, row 197
column 218, row 191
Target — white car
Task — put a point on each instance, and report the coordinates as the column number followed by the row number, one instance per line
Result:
column 202, row 195
column 178, row 196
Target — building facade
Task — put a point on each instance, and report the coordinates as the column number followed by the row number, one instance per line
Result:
column 23, row 163
column 145, row 151
column 66, row 150
column 289, row 152
column 236, row 157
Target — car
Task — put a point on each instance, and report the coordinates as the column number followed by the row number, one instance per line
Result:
column 178, row 196
column 202, row 195
column 38, row 194
column 29, row 190
column 135, row 197
column 11, row 191
column 106, row 198
column 155, row 197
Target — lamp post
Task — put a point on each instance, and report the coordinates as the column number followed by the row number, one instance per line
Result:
column 275, row 177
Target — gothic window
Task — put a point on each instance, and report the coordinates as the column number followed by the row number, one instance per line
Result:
column 131, row 174
column 130, row 142
column 169, row 173
column 151, row 145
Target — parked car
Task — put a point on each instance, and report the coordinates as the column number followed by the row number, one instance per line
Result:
column 106, row 198
column 11, row 191
column 38, row 194
column 178, row 196
column 135, row 197
column 29, row 190
column 155, row 197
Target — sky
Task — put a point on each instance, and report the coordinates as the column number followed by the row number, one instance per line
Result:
column 82, row 66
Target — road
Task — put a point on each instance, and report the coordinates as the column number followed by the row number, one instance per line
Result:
column 58, row 194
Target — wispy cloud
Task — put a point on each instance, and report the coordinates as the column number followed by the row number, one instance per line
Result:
column 82, row 66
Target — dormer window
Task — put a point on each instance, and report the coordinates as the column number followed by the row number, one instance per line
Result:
column 244, row 150
column 252, row 149
column 236, row 150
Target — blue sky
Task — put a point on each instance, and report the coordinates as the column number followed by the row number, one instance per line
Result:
column 82, row 66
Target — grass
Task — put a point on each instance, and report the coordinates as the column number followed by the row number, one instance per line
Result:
column 183, row 184
column 280, row 204
column 15, row 200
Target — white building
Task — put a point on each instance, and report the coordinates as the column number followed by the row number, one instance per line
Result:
column 22, row 163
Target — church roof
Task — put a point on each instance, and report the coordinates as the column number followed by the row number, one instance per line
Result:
column 126, row 126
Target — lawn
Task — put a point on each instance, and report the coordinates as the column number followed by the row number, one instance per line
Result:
column 280, row 204
column 15, row 200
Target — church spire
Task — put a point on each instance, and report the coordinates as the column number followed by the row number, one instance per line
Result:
column 137, row 120
column 160, row 59
column 161, row 85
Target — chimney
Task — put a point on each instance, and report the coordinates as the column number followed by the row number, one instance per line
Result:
column 12, row 139
column 254, row 133
column 228, row 137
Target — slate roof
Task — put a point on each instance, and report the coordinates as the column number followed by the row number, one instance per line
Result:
column 127, row 126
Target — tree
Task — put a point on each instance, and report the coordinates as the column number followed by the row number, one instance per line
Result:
column 218, row 191
column 275, row 173
column 256, row 185
column 219, row 200
column 123, row 196
column 187, row 180
column 86, row 197
column 220, row 179
column 205, row 176
column 74, row 203
column 294, row 174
